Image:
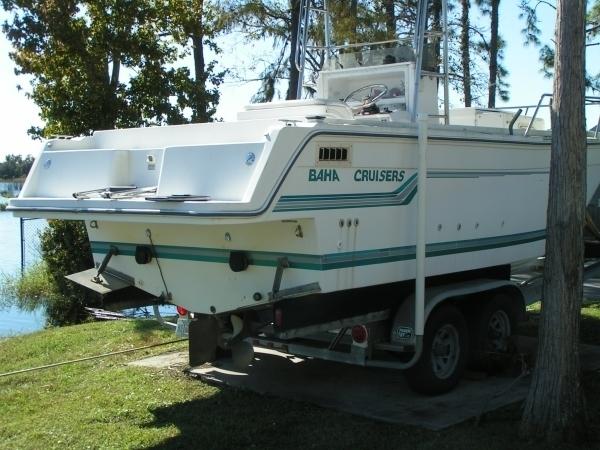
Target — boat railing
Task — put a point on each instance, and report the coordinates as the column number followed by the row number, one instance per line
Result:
column 419, row 44
column 589, row 101
column 354, row 45
column 329, row 50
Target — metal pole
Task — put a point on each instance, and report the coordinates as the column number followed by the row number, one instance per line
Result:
column 445, row 62
column 422, row 120
column 421, row 226
column 326, row 19
column 22, row 226
column 419, row 42
column 537, row 108
column 302, row 40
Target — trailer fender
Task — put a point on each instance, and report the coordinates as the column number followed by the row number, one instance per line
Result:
column 402, row 330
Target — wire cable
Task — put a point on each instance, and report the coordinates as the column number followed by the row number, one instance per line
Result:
column 88, row 358
column 167, row 293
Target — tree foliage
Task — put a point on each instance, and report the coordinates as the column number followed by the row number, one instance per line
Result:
column 368, row 21
column 101, row 64
column 192, row 24
column 66, row 250
column 277, row 20
column 532, row 32
column 497, row 84
column 468, row 55
column 15, row 166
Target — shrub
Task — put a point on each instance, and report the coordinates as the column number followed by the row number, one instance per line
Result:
column 35, row 289
column 66, row 250
column 29, row 291
column 2, row 206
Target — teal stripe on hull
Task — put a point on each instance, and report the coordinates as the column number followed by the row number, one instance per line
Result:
column 400, row 197
column 332, row 260
column 296, row 198
column 480, row 174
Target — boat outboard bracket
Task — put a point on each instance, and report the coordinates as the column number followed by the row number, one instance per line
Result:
column 111, row 252
column 282, row 263
column 102, row 279
column 296, row 291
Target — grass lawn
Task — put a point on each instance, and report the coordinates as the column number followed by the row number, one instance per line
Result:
column 106, row 404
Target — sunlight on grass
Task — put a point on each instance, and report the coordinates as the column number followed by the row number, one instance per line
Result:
column 105, row 403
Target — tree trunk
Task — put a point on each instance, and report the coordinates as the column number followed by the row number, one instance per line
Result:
column 116, row 69
column 495, row 4
column 555, row 406
column 294, row 74
column 107, row 119
column 199, row 113
column 434, row 46
column 390, row 19
column 465, row 48
column 354, row 19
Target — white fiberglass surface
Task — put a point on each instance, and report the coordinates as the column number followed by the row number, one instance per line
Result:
column 221, row 172
column 58, row 174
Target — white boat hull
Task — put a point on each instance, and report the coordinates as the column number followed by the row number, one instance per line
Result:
column 341, row 224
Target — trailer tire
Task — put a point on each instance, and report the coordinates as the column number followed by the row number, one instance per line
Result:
column 444, row 355
column 490, row 329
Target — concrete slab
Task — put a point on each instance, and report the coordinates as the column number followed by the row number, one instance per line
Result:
column 163, row 361
column 373, row 393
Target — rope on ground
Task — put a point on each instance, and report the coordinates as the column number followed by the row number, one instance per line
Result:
column 89, row 358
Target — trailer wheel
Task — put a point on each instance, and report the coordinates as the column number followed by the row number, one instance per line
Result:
column 490, row 330
column 444, row 356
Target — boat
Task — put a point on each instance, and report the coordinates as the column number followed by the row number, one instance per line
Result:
column 306, row 212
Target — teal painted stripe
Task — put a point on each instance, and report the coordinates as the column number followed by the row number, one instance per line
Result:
column 485, row 173
column 307, row 203
column 332, row 260
column 300, row 198
column 352, row 206
column 347, row 205
column 379, row 199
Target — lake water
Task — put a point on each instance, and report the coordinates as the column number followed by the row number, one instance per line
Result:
column 13, row 320
column 10, row 188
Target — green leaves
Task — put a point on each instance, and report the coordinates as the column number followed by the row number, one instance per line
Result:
column 532, row 32
column 14, row 166
column 101, row 64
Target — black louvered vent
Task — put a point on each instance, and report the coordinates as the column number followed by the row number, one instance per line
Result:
column 333, row 153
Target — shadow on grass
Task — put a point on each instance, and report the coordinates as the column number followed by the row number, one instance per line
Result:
column 146, row 327
column 233, row 418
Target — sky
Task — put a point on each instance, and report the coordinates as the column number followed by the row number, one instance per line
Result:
column 526, row 82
